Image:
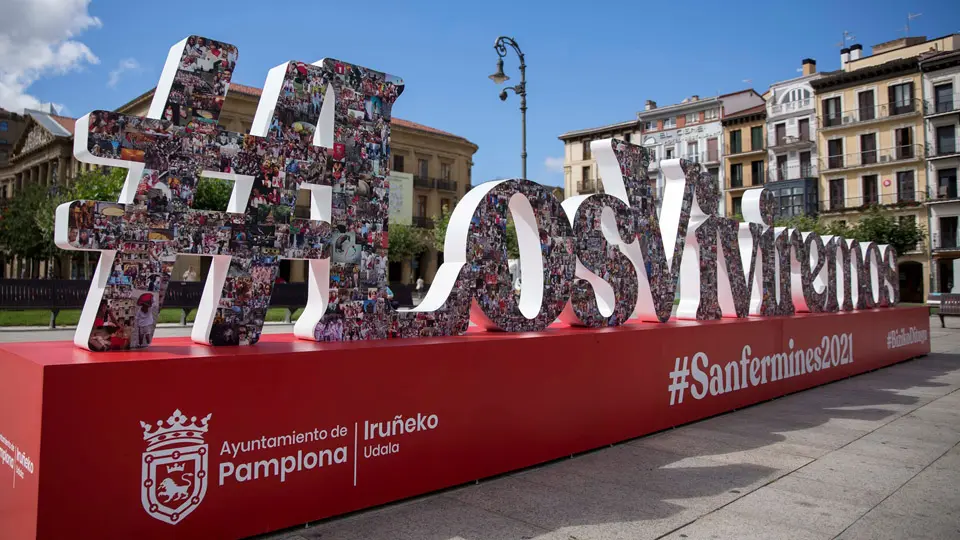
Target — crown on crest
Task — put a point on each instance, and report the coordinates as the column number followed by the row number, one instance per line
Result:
column 175, row 430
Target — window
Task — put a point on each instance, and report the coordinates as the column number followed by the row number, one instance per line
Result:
column 669, row 153
column 946, row 140
column 4, row 126
column 585, row 172
column 713, row 153
column 947, row 184
column 780, row 133
column 756, row 172
column 421, row 206
column 651, row 152
column 627, row 136
column 711, row 114
column 782, row 167
column 586, row 150
column 738, row 206
column 943, row 98
column 831, row 112
column 670, row 122
column 445, row 171
column 905, row 187
column 692, row 154
column 803, row 127
column 901, row 98
column 445, row 205
column 904, row 142
column 398, row 163
column 868, row 149
column 867, row 105
column 871, row 193
column 648, row 126
column 835, row 154
column 422, row 167
column 790, row 202
column 836, row 193
column 756, row 138
column 806, row 169
column 693, row 118
column 736, row 175
column 735, row 142
column 948, row 232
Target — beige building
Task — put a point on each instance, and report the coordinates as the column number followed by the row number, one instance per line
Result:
column 579, row 168
column 439, row 163
column 870, row 136
column 744, row 158
column 11, row 126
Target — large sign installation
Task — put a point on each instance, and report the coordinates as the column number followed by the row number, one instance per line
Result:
column 230, row 442
column 595, row 260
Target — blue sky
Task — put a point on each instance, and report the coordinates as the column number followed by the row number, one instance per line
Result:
column 588, row 63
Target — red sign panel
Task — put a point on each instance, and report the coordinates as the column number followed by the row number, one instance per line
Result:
column 199, row 442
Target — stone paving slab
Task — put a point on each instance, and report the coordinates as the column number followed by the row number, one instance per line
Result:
column 870, row 457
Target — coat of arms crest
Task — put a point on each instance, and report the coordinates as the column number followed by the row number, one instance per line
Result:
column 174, row 466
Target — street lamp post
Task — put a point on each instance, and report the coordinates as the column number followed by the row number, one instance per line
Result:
column 519, row 89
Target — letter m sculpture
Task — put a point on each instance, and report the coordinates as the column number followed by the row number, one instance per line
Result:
column 295, row 143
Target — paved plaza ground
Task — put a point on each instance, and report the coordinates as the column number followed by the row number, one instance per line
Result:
column 871, row 457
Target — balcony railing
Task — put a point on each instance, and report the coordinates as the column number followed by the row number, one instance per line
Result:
column 422, row 222
column 935, row 150
column 909, row 198
column 945, row 241
column 744, row 148
column 446, row 185
column 791, row 106
column 423, row 182
column 792, row 141
column 701, row 157
column 589, row 186
column 934, row 105
column 943, row 193
column 868, row 158
column 869, row 114
column 792, row 172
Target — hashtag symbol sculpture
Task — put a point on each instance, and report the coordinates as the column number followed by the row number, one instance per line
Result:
column 291, row 147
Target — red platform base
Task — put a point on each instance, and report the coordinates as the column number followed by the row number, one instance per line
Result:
column 300, row 431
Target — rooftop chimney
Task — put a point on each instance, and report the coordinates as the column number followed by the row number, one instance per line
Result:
column 694, row 98
column 809, row 66
column 650, row 104
column 856, row 51
column 844, row 57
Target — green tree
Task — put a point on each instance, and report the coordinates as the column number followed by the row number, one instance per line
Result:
column 212, row 194
column 440, row 233
column 406, row 242
column 882, row 227
column 19, row 234
column 93, row 185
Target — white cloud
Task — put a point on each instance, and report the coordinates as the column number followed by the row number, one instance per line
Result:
column 36, row 42
column 553, row 164
column 127, row 64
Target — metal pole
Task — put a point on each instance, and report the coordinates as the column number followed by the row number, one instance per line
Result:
column 520, row 89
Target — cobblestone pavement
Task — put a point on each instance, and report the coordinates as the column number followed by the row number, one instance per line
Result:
column 871, row 457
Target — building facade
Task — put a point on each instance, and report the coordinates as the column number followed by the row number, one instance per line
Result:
column 579, row 167
column 941, row 113
column 792, row 157
column 744, row 155
column 870, row 142
column 437, row 163
column 11, row 126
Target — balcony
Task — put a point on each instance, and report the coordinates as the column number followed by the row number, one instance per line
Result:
column 793, row 142
column 791, row 106
column 792, row 172
column 869, row 115
column 423, row 182
column 422, row 222
column 731, row 151
column 589, row 186
column 702, row 157
column 856, row 204
column 942, row 193
column 945, row 150
column 446, row 185
column 937, row 107
column 872, row 158
column 945, row 242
